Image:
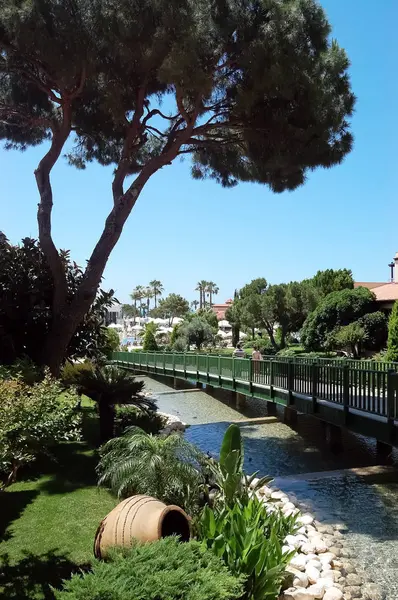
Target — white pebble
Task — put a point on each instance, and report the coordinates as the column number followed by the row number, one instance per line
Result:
column 299, row 561
column 305, row 519
column 300, row 580
column 326, row 582
column 287, row 548
column 333, row 594
column 307, row 548
column 315, row 563
column 279, row 496
column 317, row 590
column 293, row 540
column 312, row 574
column 327, row 557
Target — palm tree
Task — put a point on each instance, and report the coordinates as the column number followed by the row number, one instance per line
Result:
column 148, row 294
column 167, row 468
column 195, row 304
column 201, row 287
column 157, row 289
column 109, row 385
column 137, row 295
column 211, row 289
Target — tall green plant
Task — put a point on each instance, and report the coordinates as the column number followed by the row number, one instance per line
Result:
column 240, row 529
column 249, row 540
column 392, row 342
column 228, row 473
column 168, row 468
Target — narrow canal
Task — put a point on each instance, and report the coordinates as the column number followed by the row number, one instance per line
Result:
column 302, row 464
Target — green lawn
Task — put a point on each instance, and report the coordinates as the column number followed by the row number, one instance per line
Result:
column 48, row 522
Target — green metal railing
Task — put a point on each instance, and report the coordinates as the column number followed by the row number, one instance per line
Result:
column 342, row 383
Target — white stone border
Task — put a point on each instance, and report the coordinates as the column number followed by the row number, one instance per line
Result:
column 320, row 569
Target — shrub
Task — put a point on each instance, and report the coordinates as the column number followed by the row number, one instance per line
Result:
column 249, row 540
column 24, row 369
column 392, row 343
column 71, row 373
column 240, row 529
column 150, row 344
column 168, row 468
column 32, row 419
column 129, row 416
column 162, row 570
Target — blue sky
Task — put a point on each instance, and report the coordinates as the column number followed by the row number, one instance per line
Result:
column 182, row 230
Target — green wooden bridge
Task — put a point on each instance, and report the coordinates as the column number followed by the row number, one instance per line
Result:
column 362, row 397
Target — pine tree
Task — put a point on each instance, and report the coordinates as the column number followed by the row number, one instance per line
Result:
column 257, row 91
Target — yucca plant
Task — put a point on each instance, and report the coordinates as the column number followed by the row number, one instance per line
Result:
column 168, row 468
column 109, row 385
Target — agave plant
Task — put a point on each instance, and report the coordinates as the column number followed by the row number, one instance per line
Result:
column 107, row 386
column 168, row 468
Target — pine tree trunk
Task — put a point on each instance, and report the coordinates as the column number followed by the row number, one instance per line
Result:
column 67, row 317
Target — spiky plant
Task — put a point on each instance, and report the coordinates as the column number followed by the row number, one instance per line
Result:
column 168, row 468
column 109, row 385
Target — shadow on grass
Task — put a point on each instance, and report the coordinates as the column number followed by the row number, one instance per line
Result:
column 12, row 505
column 34, row 575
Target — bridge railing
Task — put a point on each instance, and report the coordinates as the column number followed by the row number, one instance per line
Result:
column 368, row 390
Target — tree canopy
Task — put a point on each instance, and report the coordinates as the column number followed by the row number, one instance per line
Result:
column 332, row 280
column 336, row 310
column 170, row 307
column 252, row 91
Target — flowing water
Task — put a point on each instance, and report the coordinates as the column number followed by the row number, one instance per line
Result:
column 369, row 509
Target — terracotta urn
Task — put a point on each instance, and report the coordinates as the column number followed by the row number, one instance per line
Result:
column 140, row 518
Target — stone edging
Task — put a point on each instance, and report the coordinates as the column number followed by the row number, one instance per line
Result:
column 320, row 569
column 173, row 424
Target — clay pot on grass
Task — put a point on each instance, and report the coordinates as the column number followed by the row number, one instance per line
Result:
column 140, row 518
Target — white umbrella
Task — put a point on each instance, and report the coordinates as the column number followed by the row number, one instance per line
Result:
column 115, row 326
column 224, row 323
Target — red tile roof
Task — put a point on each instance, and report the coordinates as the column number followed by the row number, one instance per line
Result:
column 384, row 292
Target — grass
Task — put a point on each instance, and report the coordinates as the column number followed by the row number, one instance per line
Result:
column 48, row 521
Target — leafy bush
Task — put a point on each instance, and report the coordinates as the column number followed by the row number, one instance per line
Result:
column 32, row 419
column 392, row 343
column 71, row 373
column 335, row 310
column 249, row 540
column 168, row 468
column 26, row 304
column 111, row 341
column 130, row 416
column 162, row 570
column 240, row 529
column 24, row 369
